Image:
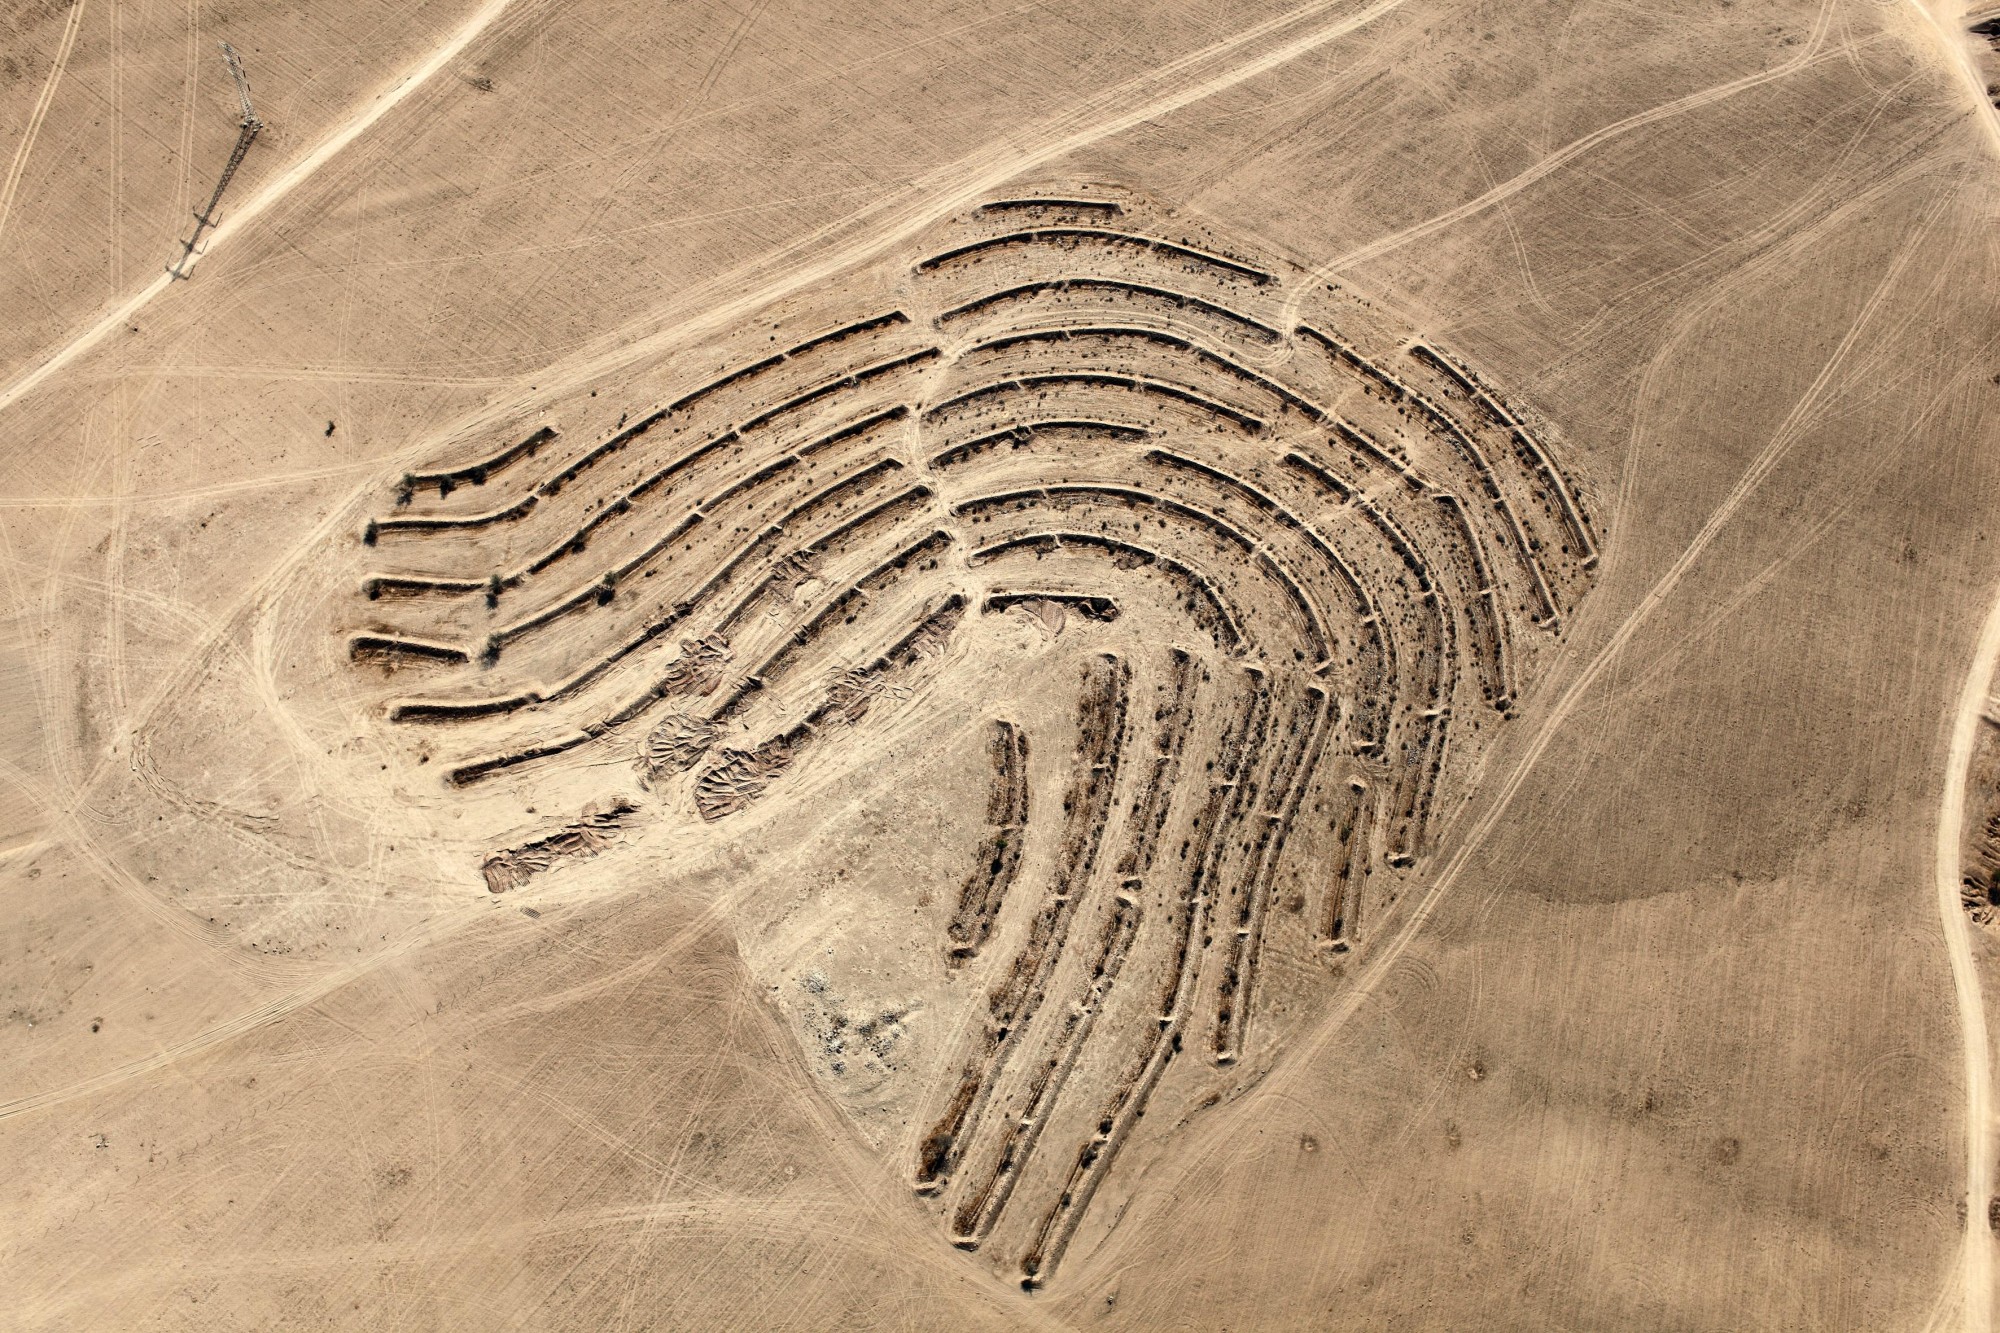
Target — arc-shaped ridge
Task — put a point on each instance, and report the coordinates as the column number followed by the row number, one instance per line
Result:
column 1298, row 572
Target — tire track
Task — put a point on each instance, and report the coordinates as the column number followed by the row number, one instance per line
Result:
column 1976, row 1263
column 1569, row 152
column 853, row 240
column 272, row 192
column 1760, row 467
column 1316, row 1042
column 64, row 46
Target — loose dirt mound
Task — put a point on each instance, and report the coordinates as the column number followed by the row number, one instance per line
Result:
column 1056, row 403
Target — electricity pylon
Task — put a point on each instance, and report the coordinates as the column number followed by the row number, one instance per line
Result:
column 246, row 132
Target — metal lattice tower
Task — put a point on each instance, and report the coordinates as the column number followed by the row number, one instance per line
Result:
column 246, row 133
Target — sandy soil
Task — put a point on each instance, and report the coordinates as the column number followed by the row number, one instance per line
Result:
column 1000, row 666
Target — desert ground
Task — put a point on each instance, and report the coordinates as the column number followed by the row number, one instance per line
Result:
column 983, row 665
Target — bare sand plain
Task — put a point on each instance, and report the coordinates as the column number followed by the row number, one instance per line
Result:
column 1000, row 666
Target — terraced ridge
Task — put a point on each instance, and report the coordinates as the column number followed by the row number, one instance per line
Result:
column 1067, row 408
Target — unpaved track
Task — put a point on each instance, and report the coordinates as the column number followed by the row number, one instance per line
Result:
column 724, row 301
column 1315, row 1043
column 1563, row 156
column 974, row 176
column 242, row 215
column 1780, row 443
column 866, row 234
column 1945, row 24
column 970, row 177
column 40, row 113
column 938, row 195
column 1977, row 1266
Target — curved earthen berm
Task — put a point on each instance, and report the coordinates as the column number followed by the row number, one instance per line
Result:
column 1077, row 406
